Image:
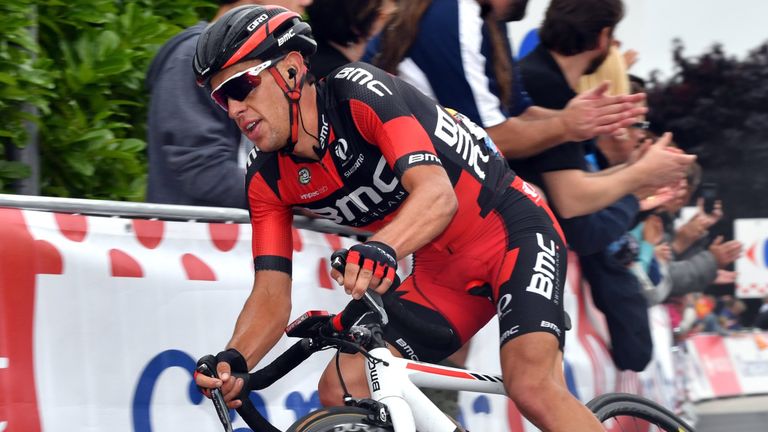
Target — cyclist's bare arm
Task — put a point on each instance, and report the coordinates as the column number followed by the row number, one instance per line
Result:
column 427, row 211
column 587, row 115
column 258, row 328
column 429, row 208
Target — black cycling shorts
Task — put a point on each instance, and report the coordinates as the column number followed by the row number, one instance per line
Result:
column 513, row 267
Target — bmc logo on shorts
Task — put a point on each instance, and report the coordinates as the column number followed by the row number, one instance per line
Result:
column 543, row 280
column 549, row 325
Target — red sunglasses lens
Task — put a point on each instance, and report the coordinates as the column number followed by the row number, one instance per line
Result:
column 236, row 88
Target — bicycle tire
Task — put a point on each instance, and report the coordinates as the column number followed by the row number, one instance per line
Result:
column 627, row 409
column 337, row 419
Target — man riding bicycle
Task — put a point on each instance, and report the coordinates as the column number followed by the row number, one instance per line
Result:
column 362, row 148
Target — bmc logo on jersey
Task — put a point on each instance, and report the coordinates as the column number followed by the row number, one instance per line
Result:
column 422, row 158
column 464, row 143
column 364, row 78
column 365, row 200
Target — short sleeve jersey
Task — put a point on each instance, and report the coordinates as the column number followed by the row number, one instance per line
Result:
column 373, row 128
column 549, row 89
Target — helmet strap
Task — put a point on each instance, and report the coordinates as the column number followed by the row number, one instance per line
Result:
column 293, row 95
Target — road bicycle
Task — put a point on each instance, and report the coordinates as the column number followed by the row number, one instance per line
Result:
column 396, row 403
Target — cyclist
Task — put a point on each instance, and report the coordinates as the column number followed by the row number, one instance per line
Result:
column 362, row 148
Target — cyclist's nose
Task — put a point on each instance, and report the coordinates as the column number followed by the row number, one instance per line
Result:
column 236, row 108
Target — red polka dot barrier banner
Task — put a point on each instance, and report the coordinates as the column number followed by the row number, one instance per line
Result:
column 752, row 266
column 103, row 318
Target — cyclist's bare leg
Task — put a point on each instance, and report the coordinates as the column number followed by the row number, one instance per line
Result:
column 533, row 377
column 353, row 370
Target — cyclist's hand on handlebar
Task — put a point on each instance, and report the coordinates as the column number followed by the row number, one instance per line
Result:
column 371, row 265
column 230, row 386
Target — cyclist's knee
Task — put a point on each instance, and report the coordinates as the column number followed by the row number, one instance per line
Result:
column 329, row 391
column 329, row 387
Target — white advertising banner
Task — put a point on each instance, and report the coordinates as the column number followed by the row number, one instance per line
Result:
column 103, row 318
column 752, row 266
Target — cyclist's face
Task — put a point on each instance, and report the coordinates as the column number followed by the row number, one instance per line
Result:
column 262, row 115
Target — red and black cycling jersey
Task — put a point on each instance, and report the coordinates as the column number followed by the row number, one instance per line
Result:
column 372, row 128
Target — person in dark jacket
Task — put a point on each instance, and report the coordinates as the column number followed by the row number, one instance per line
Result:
column 196, row 153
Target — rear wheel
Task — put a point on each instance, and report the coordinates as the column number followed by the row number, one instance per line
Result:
column 338, row 419
column 628, row 412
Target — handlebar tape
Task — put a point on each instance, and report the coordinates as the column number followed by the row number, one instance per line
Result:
column 285, row 363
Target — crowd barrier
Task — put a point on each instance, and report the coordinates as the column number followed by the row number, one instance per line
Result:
column 103, row 317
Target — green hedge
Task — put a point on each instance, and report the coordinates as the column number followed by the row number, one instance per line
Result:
column 84, row 77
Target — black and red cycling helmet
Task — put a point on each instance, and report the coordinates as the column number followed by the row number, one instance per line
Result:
column 248, row 33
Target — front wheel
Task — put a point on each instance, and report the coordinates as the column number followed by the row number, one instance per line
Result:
column 628, row 412
column 338, row 419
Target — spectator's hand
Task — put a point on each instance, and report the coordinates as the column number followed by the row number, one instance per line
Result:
column 662, row 165
column 630, row 57
column 594, row 113
column 663, row 252
column 725, row 253
column 692, row 230
column 725, row 277
column 658, row 198
column 710, row 218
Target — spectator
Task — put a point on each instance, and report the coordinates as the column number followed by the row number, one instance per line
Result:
column 575, row 39
column 196, row 153
column 730, row 314
column 761, row 320
column 342, row 28
column 467, row 64
column 696, row 263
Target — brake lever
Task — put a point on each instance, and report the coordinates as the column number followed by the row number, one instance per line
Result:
column 218, row 400
column 371, row 298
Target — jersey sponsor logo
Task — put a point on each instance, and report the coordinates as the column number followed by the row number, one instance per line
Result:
column 364, row 78
column 284, row 38
column 549, row 325
column 531, row 191
column 465, row 144
column 502, row 306
column 365, row 202
column 255, row 23
column 341, row 149
column 314, row 194
column 323, row 131
column 545, row 270
column 304, row 176
column 252, row 157
column 353, row 168
column 421, row 158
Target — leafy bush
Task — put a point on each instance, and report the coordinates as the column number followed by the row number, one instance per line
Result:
column 717, row 107
column 92, row 100
column 24, row 84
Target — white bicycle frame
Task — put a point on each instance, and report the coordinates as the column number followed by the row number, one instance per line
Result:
column 396, row 386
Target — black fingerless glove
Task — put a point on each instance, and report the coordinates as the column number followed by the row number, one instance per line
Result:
column 375, row 256
column 236, row 360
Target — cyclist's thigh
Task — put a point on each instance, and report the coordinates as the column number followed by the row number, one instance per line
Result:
column 530, row 299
